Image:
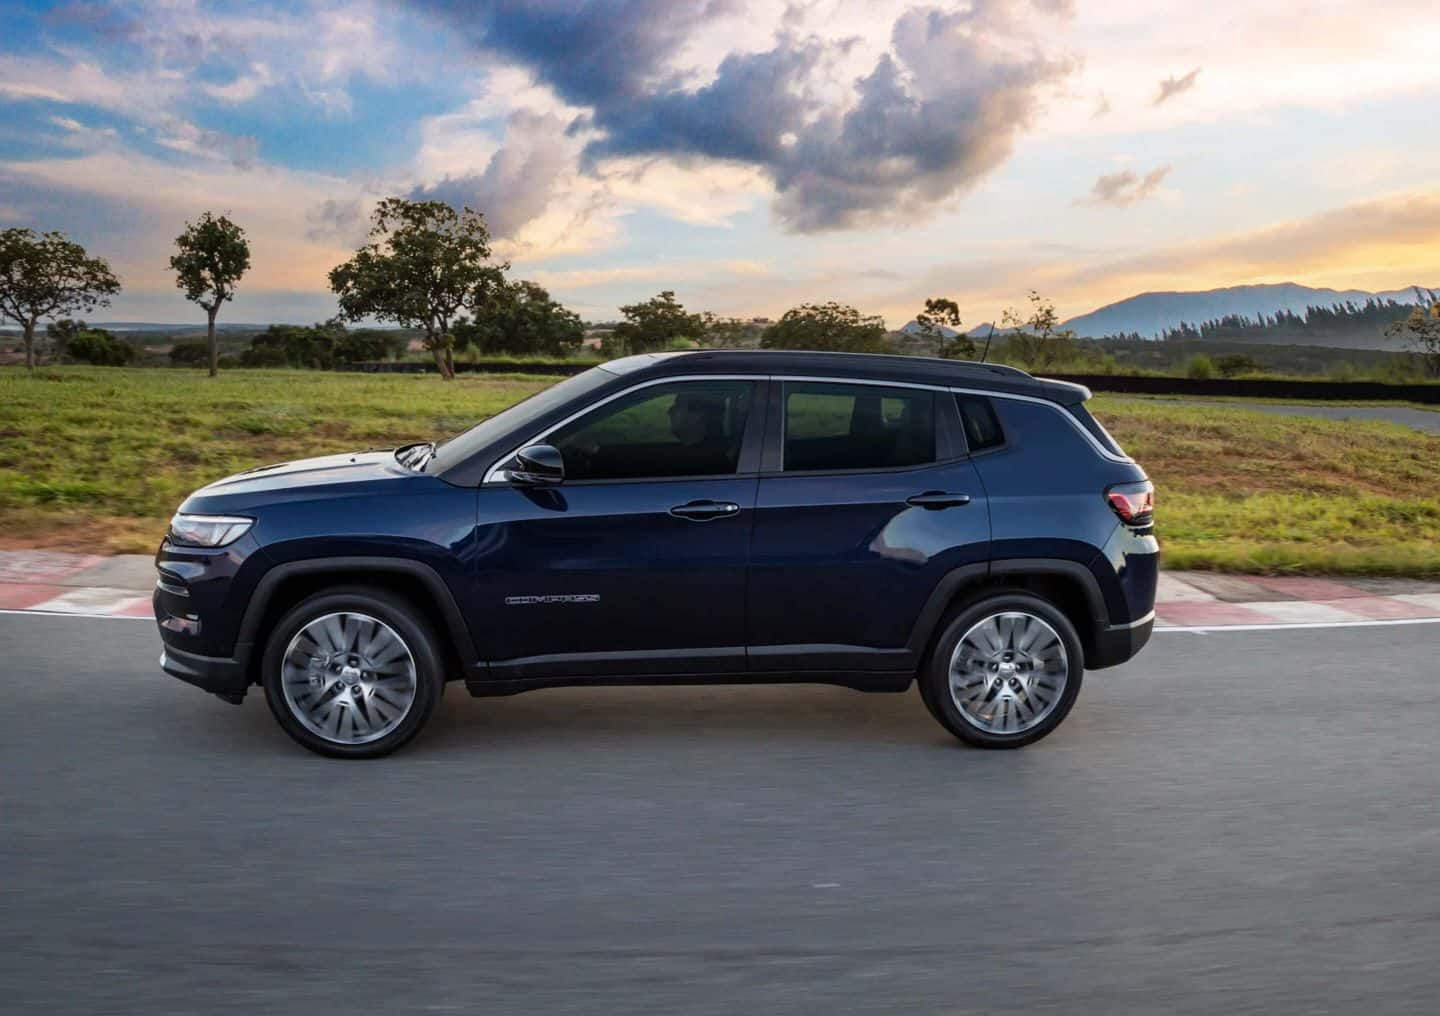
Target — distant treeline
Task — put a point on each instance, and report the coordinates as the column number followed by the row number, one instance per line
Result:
column 1372, row 317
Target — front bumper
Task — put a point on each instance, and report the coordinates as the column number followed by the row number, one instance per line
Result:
column 1115, row 644
column 219, row 676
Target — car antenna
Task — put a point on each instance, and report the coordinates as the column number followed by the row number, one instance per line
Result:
column 987, row 342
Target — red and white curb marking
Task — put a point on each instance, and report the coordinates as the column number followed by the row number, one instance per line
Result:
column 50, row 582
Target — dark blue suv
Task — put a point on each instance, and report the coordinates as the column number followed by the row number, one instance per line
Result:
column 705, row 517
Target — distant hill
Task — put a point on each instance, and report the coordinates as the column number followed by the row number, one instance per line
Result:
column 1149, row 314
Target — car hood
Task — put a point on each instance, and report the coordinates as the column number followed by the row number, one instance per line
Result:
column 301, row 477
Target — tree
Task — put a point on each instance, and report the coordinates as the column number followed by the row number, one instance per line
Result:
column 1421, row 328
column 828, row 326
column 213, row 254
column 521, row 318
column 98, row 347
column 656, row 324
column 939, row 316
column 424, row 264
column 725, row 333
column 1038, row 340
column 189, row 353
column 44, row 275
column 1235, row 364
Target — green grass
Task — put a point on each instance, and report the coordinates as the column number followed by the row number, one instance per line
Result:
column 99, row 458
column 1247, row 491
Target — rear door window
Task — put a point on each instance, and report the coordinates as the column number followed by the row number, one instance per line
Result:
column 832, row 427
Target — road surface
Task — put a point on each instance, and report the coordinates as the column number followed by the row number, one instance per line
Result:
column 1241, row 822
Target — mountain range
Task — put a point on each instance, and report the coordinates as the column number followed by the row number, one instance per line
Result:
column 1150, row 314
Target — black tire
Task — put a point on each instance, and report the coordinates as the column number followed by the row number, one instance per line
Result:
column 935, row 674
column 405, row 621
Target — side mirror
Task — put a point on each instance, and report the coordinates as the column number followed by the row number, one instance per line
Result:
column 538, row 465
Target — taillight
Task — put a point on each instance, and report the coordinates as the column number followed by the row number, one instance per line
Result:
column 1133, row 502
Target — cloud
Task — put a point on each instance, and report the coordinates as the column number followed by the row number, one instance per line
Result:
column 932, row 114
column 1102, row 107
column 240, row 150
column 517, row 183
column 1125, row 187
column 1173, row 86
column 342, row 221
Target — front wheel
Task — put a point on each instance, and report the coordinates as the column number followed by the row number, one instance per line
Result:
column 352, row 673
column 1004, row 672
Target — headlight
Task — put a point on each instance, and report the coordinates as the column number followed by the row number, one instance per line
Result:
column 207, row 530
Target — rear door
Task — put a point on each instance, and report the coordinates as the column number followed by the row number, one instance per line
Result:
column 866, row 500
column 635, row 564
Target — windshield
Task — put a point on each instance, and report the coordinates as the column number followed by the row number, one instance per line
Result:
column 517, row 417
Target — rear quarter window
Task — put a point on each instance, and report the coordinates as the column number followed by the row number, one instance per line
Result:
column 1095, row 429
column 982, row 424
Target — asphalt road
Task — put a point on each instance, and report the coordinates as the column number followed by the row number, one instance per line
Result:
column 1427, row 420
column 1241, row 822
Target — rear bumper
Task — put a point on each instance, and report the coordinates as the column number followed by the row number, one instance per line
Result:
column 217, row 675
column 1115, row 644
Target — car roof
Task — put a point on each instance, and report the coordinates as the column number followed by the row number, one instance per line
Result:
column 867, row 366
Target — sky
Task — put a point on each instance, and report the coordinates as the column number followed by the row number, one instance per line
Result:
column 750, row 155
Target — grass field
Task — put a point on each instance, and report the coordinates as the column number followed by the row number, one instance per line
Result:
column 94, row 458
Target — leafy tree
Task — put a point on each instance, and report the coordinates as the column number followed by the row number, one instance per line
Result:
column 264, row 356
column 189, row 353
column 727, row 332
column 99, row 347
column 59, row 333
column 424, row 264
column 368, row 344
column 1200, row 368
column 1037, row 339
column 941, row 314
column 656, row 324
column 1422, row 330
column 44, row 275
column 1235, row 364
column 521, row 318
column 211, row 257
column 828, row 326
column 295, row 346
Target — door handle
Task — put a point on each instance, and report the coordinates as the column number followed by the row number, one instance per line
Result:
column 937, row 499
column 704, row 511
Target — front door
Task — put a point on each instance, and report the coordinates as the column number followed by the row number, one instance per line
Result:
column 866, row 503
column 636, row 563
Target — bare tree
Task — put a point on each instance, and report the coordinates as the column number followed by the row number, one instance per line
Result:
column 1422, row 330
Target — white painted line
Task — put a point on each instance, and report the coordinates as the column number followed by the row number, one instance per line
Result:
column 1206, row 629
column 72, row 613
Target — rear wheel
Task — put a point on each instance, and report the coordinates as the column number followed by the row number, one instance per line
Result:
column 1004, row 672
column 352, row 673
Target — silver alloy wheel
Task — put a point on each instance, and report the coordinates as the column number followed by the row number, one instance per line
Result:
column 1008, row 673
column 348, row 677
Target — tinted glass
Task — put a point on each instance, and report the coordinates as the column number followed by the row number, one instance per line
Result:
column 690, row 428
column 516, row 418
column 982, row 426
column 1096, row 429
column 833, row 426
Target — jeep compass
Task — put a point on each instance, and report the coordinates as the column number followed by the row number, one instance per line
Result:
column 699, row 517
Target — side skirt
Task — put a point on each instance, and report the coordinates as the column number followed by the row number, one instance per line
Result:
column 858, row 680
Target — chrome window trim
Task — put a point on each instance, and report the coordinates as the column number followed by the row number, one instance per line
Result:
column 1079, row 428
column 493, row 474
column 496, row 475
